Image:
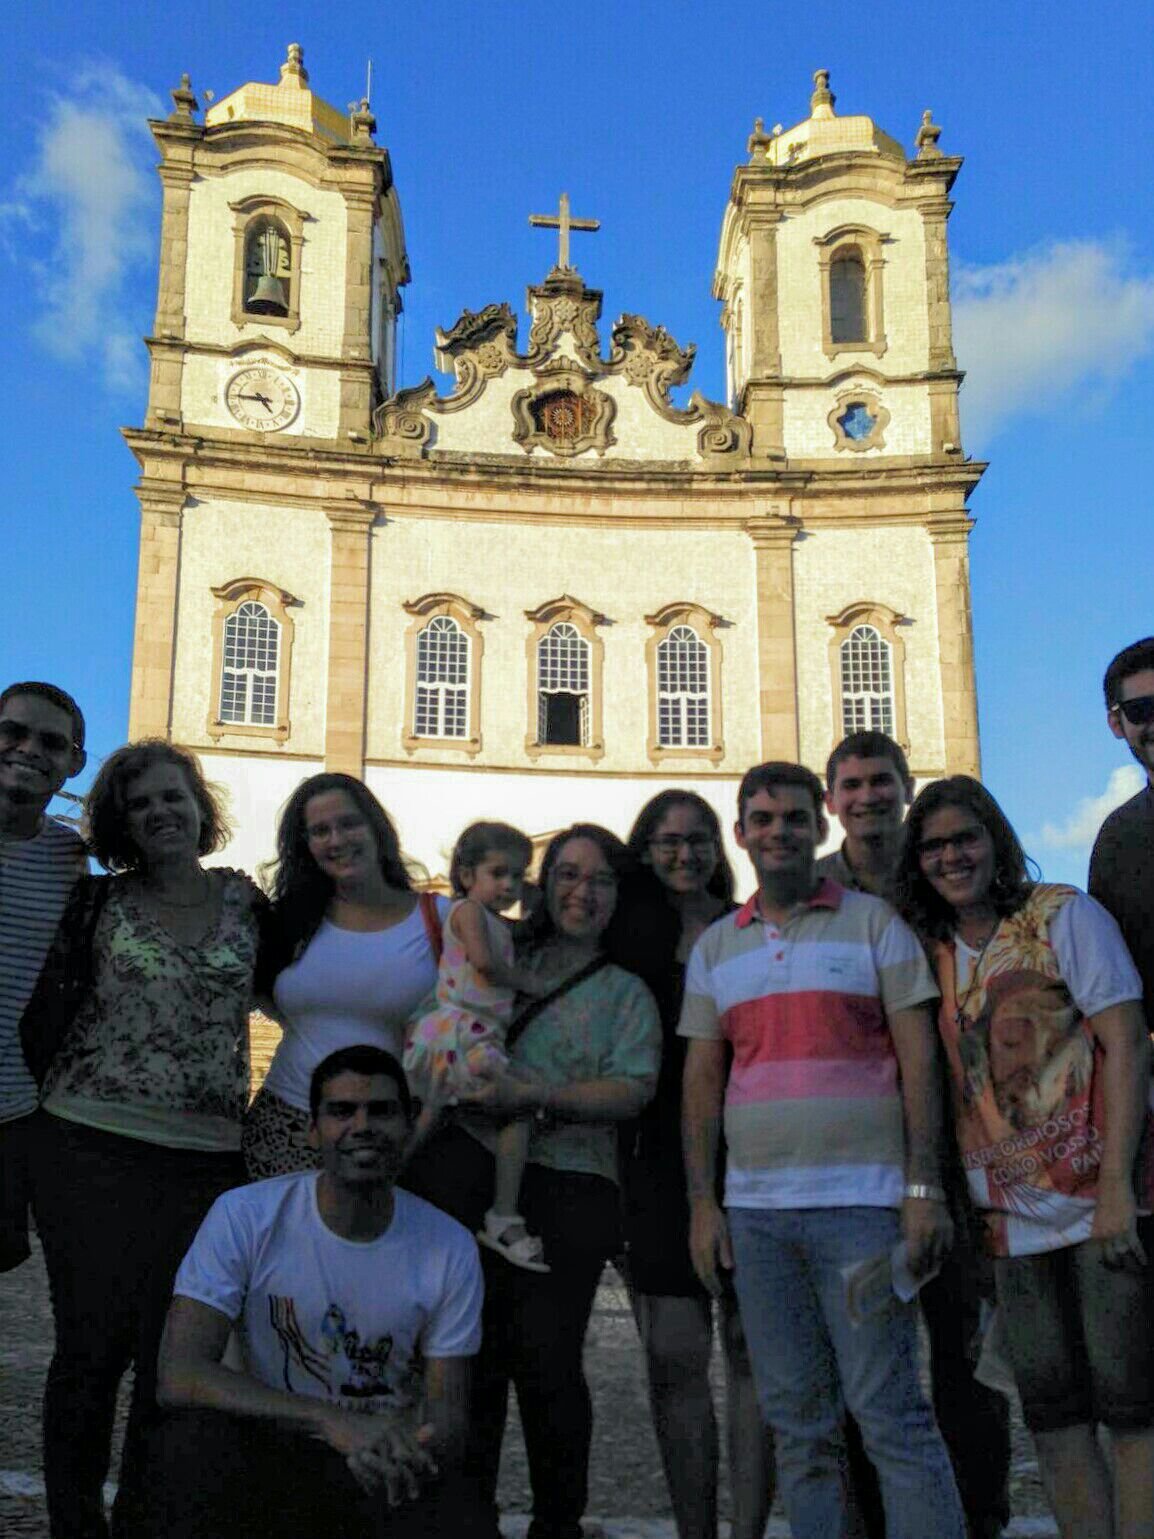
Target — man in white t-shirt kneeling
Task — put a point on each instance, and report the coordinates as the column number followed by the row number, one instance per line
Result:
column 357, row 1308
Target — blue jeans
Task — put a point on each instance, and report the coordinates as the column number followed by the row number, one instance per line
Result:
column 810, row 1363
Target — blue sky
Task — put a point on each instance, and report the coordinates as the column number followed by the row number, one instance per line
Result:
column 640, row 111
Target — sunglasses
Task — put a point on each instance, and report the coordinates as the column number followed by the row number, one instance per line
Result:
column 14, row 733
column 1139, row 712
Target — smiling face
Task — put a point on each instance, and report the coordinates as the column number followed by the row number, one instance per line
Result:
column 869, row 798
column 581, row 892
column 1138, row 737
column 360, row 1129
column 339, row 836
column 780, row 831
column 682, row 851
column 162, row 815
column 956, row 856
column 37, row 753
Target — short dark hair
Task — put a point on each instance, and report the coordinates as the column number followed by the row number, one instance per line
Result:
column 779, row 772
column 60, row 698
column 361, row 1059
column 867, row 745
column 1136, row 658
column 108, row 836
column 481, row 839
column 913, row 895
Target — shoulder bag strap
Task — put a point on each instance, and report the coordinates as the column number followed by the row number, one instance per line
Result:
column 533, row 1010
column 427, row 903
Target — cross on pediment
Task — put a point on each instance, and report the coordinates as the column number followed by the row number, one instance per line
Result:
column 562, row 221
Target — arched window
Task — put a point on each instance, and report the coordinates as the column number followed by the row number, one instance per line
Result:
column 443, row 651
column 563, row 686
column 683, row 690
column 267, row 269
column 847, row 297
column 867, row 682
column 442, row 693
column 252, row 637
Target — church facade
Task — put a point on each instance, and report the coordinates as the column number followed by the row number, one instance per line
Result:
column 552, row 590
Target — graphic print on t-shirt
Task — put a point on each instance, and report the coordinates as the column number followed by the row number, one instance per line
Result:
column 352, row 1371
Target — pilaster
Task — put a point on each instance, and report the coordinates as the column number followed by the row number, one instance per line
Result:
column 154, row 640
column 949, row 534
column 773, row 534
column 356, row 344
column 351, row 528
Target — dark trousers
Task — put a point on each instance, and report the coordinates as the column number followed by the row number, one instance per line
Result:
column 534, row 1328
column 974, row 1420
column 15, row 1188
column 115, row 1216
column 212, row 1475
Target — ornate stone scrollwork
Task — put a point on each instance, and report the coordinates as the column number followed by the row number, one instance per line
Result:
column 564, row 413
column 723, row 432
column 400, row 422
column 649, row 357
column 563, row 304
column 481, row 346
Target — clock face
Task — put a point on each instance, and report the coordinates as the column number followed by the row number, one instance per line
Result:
column 262, row 398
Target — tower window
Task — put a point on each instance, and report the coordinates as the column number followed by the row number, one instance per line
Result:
column 867, row 688
column 563, row 686
column 442, row 692
column 248, row 681
column 267, row 269
column 683, row 690
column 847, row 298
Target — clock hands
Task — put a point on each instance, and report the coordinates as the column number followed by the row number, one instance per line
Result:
column 263, row 399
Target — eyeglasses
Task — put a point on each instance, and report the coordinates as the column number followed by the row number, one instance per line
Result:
column 14, row 733
column 931, row 851
column 600, row 882
column 1139, row 712
column 696, row 844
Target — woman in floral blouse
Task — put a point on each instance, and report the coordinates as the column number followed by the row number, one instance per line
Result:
column 143, row 1012
column 1050, row 1061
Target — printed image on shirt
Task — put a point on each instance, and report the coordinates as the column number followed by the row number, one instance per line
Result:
column 360, row 1374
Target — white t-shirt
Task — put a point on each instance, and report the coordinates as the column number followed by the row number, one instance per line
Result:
column 349, row 1321
column 349, row 987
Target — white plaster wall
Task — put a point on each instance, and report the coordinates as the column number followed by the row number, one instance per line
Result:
column 905, row 315
column 892, row 566
column 256, row 789
column 288, row 547
column 212, row 252
column 205, row 378
column 506, row 569
column 808, row 434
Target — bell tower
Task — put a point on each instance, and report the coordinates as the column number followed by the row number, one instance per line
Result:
column 834, row 279
column 282, row 260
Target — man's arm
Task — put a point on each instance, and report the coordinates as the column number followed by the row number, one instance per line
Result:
column 193, row 1375
column 926, row 1223
column 1121, row 1033
column 703, row 1087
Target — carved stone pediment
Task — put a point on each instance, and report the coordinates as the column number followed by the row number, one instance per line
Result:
column 563, row 412
column 400, row 423
column 723, row 434
column 480, row 347
column 563, row 304
column 649, row 357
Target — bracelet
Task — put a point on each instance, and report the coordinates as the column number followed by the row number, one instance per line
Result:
column 922, row 1191
column 542, row 1112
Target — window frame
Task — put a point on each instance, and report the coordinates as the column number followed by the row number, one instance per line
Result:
column 230, row 596
column 868, row 244
column 250, row 211
column 465, row 615
column 888, row 623
column 705, row 625
column 845, row 398
column 565, row 610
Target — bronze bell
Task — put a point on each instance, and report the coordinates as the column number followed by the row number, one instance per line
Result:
column 268, row 297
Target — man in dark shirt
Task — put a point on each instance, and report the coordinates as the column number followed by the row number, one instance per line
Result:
column 1122, row 865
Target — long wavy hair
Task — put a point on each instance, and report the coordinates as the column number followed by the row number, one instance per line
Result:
column 301, row 892
column 913, row 894
column 539, row 926
column 108, row 836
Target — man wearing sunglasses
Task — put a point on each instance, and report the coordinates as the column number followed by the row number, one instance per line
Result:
column 41, row 746
column 1122, row 865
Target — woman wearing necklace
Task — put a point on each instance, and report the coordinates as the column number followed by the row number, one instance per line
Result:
column 1050, row 1067
column 146, row 992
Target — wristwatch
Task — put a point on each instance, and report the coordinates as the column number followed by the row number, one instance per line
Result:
column 922, row 1191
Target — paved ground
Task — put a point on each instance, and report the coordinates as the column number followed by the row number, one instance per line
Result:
column 625, row 1474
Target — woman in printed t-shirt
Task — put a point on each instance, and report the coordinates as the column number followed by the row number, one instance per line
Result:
column 353, row 954
column 1050, row 1064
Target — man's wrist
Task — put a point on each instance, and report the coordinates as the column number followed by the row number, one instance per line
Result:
column 924, row 1191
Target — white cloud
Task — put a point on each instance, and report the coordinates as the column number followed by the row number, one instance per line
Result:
column 81, row 219
column 1071, row 313
column 1080, row 829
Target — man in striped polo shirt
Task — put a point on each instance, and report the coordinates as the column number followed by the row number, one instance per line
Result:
column 832, row 1127
column 41, row 746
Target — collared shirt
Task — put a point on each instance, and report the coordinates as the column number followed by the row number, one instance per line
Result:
column 836, row 866
column 813, row 1113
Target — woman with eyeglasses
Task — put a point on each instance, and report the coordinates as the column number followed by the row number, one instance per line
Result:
column 589, row 1049
column 1050, row 1068
column 685, row 882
